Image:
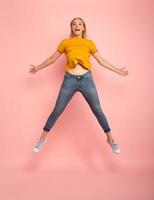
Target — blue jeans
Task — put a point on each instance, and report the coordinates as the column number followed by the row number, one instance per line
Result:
column 71, row 84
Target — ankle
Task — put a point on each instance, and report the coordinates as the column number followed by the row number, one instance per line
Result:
column 42, row 138
column 110, row 139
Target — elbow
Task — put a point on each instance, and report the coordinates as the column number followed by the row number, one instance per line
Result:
column 101, row 63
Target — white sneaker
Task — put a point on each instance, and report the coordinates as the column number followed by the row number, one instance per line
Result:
column 39, row 145
column 115, row 147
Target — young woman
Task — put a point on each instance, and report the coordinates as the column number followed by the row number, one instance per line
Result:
column 77, row 77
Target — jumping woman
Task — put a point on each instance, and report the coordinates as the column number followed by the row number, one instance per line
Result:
column 77, row 77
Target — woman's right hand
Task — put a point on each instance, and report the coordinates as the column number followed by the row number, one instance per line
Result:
column 33, row 69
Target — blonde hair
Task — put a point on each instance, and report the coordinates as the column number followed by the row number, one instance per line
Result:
column 84, row 32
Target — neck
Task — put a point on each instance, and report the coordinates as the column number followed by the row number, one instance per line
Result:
column 77, row 36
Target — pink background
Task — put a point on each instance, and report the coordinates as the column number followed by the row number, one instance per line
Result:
column 76, row 163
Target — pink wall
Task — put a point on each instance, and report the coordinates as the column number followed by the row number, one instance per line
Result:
column 76, row 162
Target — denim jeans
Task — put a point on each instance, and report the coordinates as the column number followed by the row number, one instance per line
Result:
column 71, row 84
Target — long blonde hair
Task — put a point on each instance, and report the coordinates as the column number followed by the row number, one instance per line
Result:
column 84, row 32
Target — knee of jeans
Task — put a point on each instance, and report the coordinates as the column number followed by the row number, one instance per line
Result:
column 58, row 110
column 97, row 109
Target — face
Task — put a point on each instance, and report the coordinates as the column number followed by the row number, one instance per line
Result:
column 77, row 28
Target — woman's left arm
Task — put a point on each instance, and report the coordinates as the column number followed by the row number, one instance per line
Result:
column 108, row 65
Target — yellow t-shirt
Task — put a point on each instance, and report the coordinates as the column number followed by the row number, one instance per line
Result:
column 77, row 50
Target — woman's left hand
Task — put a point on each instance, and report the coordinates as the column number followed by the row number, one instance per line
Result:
column 122, row 71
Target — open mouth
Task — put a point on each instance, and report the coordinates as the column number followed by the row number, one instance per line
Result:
column 77, row 29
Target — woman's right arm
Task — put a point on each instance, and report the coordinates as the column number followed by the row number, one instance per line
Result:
column 47, row 62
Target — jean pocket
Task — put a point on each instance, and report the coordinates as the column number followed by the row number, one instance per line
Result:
column 88, row 77
column 66, row 76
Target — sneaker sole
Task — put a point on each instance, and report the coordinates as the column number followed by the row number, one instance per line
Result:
column 117, row 152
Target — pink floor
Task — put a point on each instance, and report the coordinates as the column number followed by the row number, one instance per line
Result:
column 98, row 184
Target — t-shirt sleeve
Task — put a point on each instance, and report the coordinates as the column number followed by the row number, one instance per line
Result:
column 93, row 47
column 61, row 46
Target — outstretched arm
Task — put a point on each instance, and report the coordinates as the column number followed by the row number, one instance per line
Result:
column 108, row 65
column 47, row 62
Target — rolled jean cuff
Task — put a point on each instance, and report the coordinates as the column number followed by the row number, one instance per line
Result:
column 107, row 130
column 46, row 129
